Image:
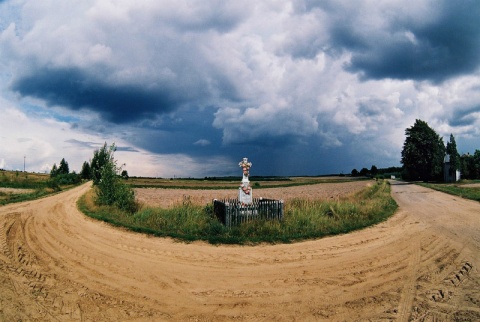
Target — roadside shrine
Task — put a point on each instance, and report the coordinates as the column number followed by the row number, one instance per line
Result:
column 245, row 208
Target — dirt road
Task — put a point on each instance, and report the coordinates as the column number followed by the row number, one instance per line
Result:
column 422, row 264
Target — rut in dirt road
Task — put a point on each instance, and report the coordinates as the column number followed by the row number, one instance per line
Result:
column 421, row 264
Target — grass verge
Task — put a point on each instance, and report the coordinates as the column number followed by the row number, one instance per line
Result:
column 472, row 193
column 303, row 219
column 9, row 197
column 24, row 186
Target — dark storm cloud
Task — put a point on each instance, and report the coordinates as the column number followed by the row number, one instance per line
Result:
column 96, row 145
column 437, row 47
column 270, row 141
column 345, row 35
column 72, row 88
column 126, row 149
column 83, row 144
column 465, row 117
column 180, row 133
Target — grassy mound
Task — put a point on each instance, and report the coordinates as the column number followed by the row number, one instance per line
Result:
column 303, row 219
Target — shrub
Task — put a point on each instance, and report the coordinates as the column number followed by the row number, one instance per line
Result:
column 111, row 191
column 53, row 184
column 67, row 178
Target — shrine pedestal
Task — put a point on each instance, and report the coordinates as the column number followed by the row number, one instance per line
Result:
column 245, row 198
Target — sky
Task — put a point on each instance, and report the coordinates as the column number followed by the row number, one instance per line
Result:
column 189, row 88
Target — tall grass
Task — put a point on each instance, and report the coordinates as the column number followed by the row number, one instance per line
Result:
column 9, row 197
column 303, row 219
column 22, row 180
column 40, row 185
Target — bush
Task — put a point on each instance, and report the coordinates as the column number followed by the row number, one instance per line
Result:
column 53, row 184
column 67, row 178
column 111, row 191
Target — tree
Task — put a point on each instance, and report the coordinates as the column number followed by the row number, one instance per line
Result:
column 354, row 172
column 100, row 158
column 111, row 191
column 373, row 170
column 454, row 156
column 63, row 167
column 423, row 152
column 124, row 174
column 466, row 166
column 54, row 171
column 364, row 172
column 62, row 175
column 476, row 164
column 85, row 173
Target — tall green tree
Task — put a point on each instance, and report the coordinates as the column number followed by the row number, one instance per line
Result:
column 423, row 152
column 476, row 164
column 466, row 166
column 454, row 156
column 63, row 167
column 100, row 158
column 85, row 173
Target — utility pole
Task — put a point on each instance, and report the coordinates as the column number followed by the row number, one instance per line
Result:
column 24, row 157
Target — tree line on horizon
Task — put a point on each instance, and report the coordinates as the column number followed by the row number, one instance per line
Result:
column 375, row 172
column 424, row 152
column 90, row 170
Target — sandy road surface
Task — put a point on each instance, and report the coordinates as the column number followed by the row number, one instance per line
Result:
column 422, row 264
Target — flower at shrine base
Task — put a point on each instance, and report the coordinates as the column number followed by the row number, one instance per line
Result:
column 246, row 189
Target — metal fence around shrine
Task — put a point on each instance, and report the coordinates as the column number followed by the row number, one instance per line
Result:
column 231, row 212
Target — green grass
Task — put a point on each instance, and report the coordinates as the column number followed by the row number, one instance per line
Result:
column 472, row 193
column 303, row 219
column 8, row 197
column 40, row 184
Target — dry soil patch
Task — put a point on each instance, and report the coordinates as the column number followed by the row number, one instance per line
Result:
column 16, row 191
column 166, row 198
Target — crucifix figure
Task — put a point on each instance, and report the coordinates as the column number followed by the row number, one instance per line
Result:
column 245, row 191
